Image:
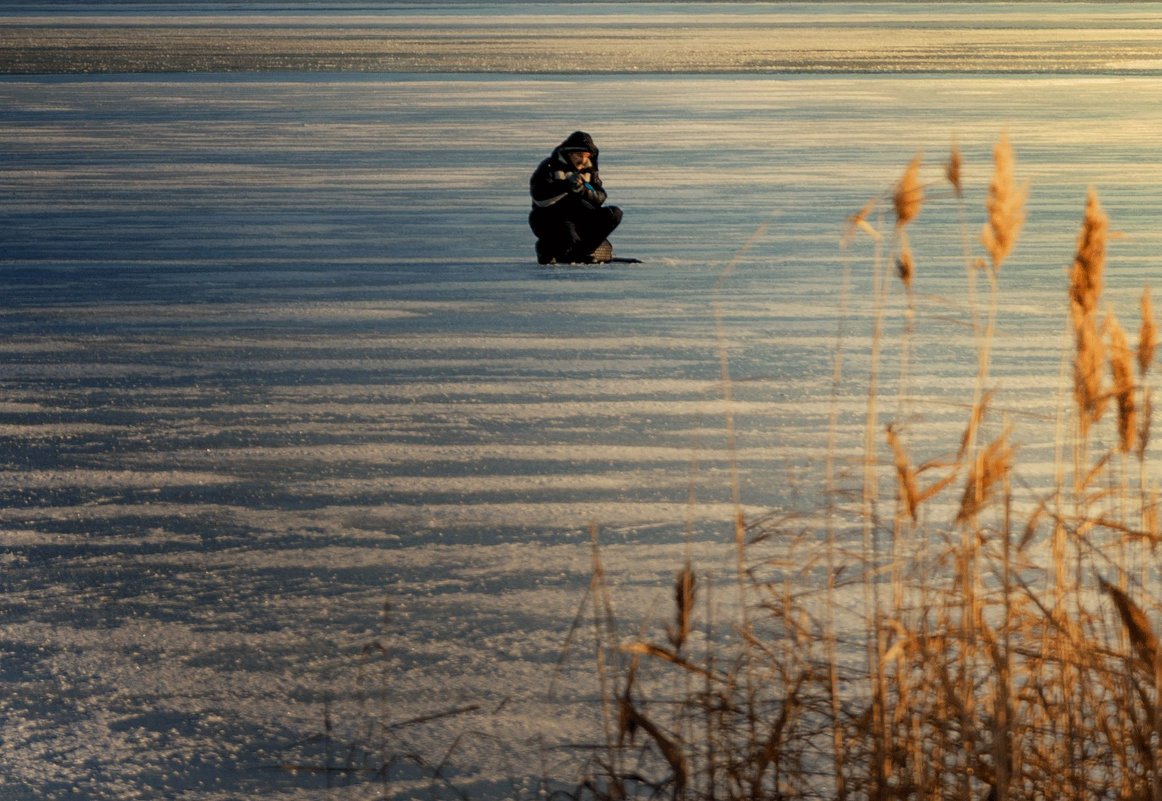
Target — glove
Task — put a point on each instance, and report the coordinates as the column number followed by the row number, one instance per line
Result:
column 576, row 183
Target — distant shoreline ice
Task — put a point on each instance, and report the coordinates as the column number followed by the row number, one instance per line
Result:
column 594, row 38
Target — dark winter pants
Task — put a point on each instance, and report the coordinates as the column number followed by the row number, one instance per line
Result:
column 572, row 238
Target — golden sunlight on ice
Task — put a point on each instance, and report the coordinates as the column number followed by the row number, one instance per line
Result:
column 663, row 42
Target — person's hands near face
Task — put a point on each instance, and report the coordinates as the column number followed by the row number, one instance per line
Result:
column 580, row 159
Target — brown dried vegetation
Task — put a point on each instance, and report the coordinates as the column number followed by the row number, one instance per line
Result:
column 979, row 645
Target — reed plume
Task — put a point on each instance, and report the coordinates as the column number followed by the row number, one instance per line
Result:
column 952, row 170
column 1147, row 335
column 1085, row 286
column 1122, row 371
column 906, row 266
column 909, row 195
column 1086, row 276
column 1005, row 206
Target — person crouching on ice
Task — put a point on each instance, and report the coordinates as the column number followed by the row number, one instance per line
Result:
column 569, row 217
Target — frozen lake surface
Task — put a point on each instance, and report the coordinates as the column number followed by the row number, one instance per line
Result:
column 583, row 38
column 295, row 430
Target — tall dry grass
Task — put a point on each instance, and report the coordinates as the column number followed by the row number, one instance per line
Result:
column 973, row 641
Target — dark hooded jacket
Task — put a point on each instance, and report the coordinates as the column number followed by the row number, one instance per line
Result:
column 556, row 193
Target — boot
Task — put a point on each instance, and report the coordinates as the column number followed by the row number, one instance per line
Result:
column 543, row 255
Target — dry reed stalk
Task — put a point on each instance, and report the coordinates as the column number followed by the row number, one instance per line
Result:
column 1056, row 496
column 1002, row 742
column 869, row 494
column 1147, row 344
column 707, row 706
column 1005, row 205
column 1150, row 519
column 684, row 589
column 906, row 477
column 1122, row 371
column 728, row 408
column 907, row 200
column 1137, row 625
column 979, row 407
column 1147, row 335
column 1032, row 525
column 1146, row 420
column 953, row 172
column 830, row 637
column 604, row 630
column 630, row 719
column 1025, row 700
column 858, row 221
column 909, row 194
column 990, row 466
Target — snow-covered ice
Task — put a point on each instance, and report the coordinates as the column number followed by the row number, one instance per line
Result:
column 294, row 429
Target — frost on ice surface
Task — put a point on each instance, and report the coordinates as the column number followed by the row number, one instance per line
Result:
column 296, row 431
